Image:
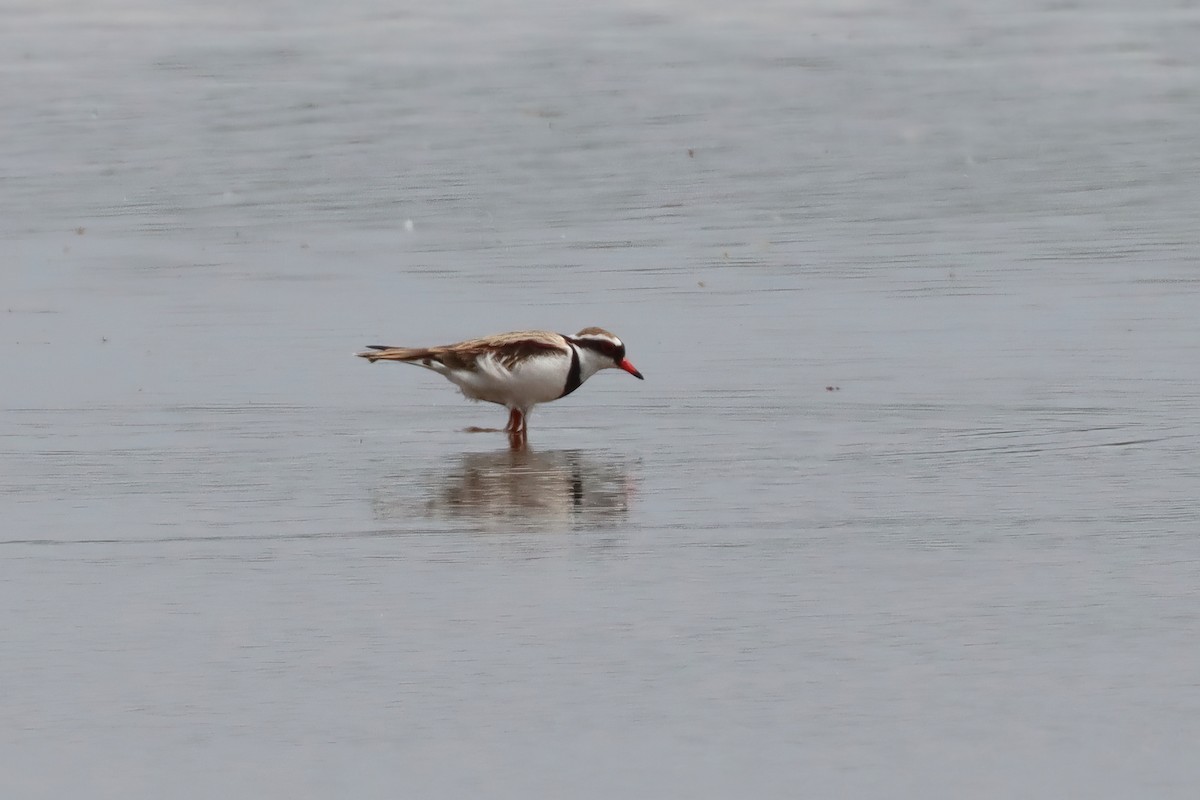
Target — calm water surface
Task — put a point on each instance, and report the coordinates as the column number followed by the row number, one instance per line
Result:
column 905, row 507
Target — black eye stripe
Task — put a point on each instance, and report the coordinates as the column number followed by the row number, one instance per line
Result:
column 614, row 351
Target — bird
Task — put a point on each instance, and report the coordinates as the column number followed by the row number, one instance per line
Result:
column 517, row 370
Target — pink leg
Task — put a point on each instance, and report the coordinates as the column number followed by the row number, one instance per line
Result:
column 517, row 426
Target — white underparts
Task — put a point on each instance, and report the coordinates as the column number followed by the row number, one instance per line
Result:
column 538, row 379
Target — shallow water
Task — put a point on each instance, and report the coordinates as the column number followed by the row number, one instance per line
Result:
column 905, row 506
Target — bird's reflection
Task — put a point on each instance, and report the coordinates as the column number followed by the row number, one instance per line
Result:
column 519, row 488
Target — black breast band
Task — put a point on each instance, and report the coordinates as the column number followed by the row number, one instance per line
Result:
column 573, row 380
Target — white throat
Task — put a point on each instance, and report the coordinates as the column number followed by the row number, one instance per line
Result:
column 590, row 362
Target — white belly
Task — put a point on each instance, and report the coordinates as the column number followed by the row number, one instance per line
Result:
column 533, row 381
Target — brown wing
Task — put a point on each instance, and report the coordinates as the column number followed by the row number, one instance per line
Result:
column 507, row 348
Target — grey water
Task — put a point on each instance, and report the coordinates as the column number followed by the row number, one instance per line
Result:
column 905, row 507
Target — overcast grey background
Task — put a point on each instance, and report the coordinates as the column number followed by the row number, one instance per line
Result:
column 906, row 506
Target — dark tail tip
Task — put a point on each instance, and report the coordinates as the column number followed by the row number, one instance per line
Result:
column 371, row 356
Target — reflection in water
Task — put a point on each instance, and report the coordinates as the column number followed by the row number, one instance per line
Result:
column 557, row 489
